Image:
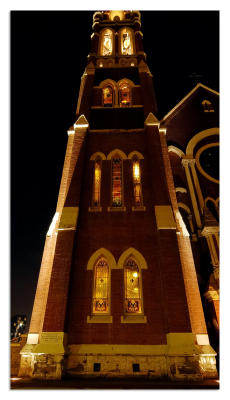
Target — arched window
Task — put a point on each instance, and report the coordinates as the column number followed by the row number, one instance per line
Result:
column 108, row 96
column 101, row 287
column 137, row 182
column 107, row 42
column 126, row 42
column 133, row 290
column 124, row 94
column 97, row 182
column 207, row 106
column 117, row 197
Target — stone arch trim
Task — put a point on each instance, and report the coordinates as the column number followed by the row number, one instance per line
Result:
column 135, row 153
column 111, row 82
column 185, row 207
column 100, row 253
column 125, row 80
column 180, row 189
column 176, row 150
column 108, row 82
column 117, row 151
column 198, row 137
column 136, row 254
column 98, row 154
column 212, row 200
column 197, row 158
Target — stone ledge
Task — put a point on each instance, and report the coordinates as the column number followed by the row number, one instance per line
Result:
column 133, row 319
column 99, row 319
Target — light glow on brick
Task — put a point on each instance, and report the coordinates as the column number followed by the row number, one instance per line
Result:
column 52, row 225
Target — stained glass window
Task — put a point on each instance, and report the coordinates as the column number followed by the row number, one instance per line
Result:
column 107, row 96
column 137, row 182
column 107, row 43
column 124, row 95
column 126, row 42
column 132, row 287
column 116, row 182
column 101, row 287
column 97, row 183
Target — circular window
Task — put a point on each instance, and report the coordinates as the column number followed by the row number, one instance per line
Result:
column 207, row 160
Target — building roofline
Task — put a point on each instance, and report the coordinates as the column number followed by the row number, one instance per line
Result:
column 174, row 109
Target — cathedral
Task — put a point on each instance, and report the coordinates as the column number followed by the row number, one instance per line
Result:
column 129, row 279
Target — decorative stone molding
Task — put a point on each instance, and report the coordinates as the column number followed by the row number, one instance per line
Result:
column 102, row 252
column 152, row 120
column 164, row 217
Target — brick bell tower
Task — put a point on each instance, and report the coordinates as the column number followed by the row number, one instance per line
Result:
column 117, row 293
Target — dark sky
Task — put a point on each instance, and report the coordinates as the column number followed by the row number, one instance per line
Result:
column 48, row 57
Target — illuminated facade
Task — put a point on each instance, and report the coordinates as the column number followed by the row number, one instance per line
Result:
column 118, row 293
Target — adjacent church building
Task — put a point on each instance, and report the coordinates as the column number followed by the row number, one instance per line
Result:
column 129, row 280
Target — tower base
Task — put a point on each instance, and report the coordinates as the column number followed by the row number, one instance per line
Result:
column 182, row 359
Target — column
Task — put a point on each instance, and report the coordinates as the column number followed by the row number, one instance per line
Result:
column 185, row 163
column 197, row 184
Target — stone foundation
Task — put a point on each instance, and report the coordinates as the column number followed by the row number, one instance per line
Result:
column 43, row 356
column 184, row 357
column 194, row 367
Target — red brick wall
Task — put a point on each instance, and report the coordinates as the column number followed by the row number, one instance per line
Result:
column 164, row 295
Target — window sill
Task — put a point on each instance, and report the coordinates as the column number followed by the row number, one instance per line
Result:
column 116, row 208
column 95, row 209
column 140, row 208
column 133, row 319
column 99, row 319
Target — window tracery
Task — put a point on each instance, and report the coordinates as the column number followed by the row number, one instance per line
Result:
column 97, row 182
column 126, row 42
column 124, row 94
column 133, row 295
column 137, row 182
column 116, row 181
column 107, row 43
column 108, row 96
column 101, row 287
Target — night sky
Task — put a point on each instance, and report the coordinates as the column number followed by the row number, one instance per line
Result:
column 48, row 56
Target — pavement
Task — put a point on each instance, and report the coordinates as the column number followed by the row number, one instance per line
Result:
column 109, row 383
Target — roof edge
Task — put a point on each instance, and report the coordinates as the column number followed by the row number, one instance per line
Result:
column 174, row 109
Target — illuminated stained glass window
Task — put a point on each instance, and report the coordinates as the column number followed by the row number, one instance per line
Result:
column 124, row 95
column 107, row 96
column 126, row 42
column 116, row 181
column 101, row 287
column 137, row 182
column 97, row 183
column 132, row 287
column 107, row 43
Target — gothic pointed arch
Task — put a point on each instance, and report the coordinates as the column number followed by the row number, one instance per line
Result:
column 118, row 152
column 135, row 153
column 136, row 254
column 98, row 154
column 102, row 252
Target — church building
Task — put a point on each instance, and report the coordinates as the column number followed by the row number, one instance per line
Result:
column 128, row 284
